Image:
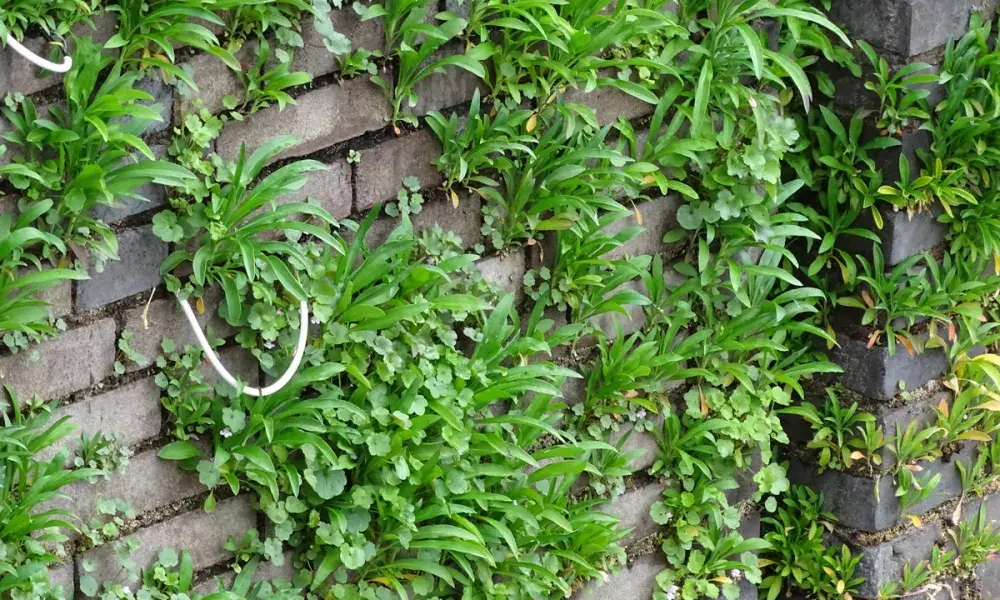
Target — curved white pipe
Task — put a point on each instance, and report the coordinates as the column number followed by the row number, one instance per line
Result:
column 221, row 370
column 66, row 65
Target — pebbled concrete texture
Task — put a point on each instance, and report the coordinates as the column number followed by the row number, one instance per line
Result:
column 380, row 174
column 201, row 534
column 138, row 269
column 854, row 501
column 637, row 580
column 505, row 272
column 132, row 410
column 872, row 372
column 908, row 27
column 62, row 356
column 632, row 509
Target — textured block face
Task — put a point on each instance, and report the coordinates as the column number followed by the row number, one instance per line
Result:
column 138, row 269
column 908, row 27
column 132, row 410
column 382, row 169
column 873, row 373
column 320, row 118
column 76, row 360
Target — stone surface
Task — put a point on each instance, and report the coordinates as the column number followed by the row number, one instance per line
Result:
column 632, row 510
column 332, row 188
column 907, row 27
column 380, row 174
column 214, row 79
column 320, row 118
column 76, row 360
column 873, row 373
column 164, row 320
column 148, row 483
column 658, row 217
column 201, row 534
column 266, row 571
column 443, row 90
column 151, row 196
column 610, row 103
column 19, row 75
column 132, row 410
column 638, row 440
column 610, row 322
column 316, row 59
column 239, row 362
column 62, row 575
column 854, row 501
column 505, row 272
column 465, row 221
column 634, row 582
column 902, row 236
column 138, row 269
column 883, row 563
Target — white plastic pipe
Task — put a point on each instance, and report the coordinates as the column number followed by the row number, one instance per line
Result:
column 66, row 65
column 221, row 370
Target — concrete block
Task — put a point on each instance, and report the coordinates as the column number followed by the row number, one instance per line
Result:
column 163, row 100
column 658, row 217
column 138, row 269
column 201, row 534
column 132, row 410
column 506, row 272
column 316, row 59
column 610, row 103
column 632, row 510
column 634, row 582
column 164, row 320
column 634, row 321
column 148, row 483
column 19, row 75
column 214, row 79
column 239, row 362
column 382, row 169
column 152, row 196
column 873, row 373
column 320, row 118
column 907, row 27
column 62, row 575
column 638, row 440
column 902, row 236
column 332, row 188
column 884, row 562
column 853, row 499
column 443, row 90
column 465, row 221
column 76, row 360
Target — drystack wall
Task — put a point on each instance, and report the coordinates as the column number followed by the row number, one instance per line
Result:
column 898, row 389
column 331, row 118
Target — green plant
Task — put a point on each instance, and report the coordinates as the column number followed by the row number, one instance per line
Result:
column 102, row 452
column 266, row 83
column 900, row 97
column 84, row 154
column 836, row 432
column 32, row 535
column 54, row 18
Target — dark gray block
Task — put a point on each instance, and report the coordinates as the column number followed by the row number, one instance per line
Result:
column 138, row 269
column 872, row 372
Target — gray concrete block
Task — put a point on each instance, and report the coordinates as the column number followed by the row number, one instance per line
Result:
column 853, row 499
column 60, row 299
column 443, row 90
column 138, row 269
column 506, row 272
column 19, row 75
column 163, row 100
column 907, row 27
column 380, row 173
column 632, row 510
column 201, row 534
column 147, row 484
column 132, row 410
column 62, row 575
column 629, row 324
column 638, row 440
column 320, row 118
column 871, row 372
column 610, row 103
column 883, row 563
column 316, row 59
column 214, row 79
column 465, row 221
column 76, row 360
column 637, row 581
column 332, row 188
column 152, row 196
column 164, row 320
column 658, row 217
column 902, row 236
column 239, row 362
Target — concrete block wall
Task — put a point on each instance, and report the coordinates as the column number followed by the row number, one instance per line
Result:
column 330, row 118
column 872, row 524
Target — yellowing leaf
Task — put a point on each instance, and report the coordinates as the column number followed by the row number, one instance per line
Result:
column 454, row 198
column 906, row 344
column 532, row 123
column 975, row 436
column 638, row 216
column 841, row 586
column 943, row 406
column 867, row 298
column 722, row 579
column 990, row 405
column 829, row 571
column 200, row 306
column 383, row 580
column 857, row 455
column 915, row 520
